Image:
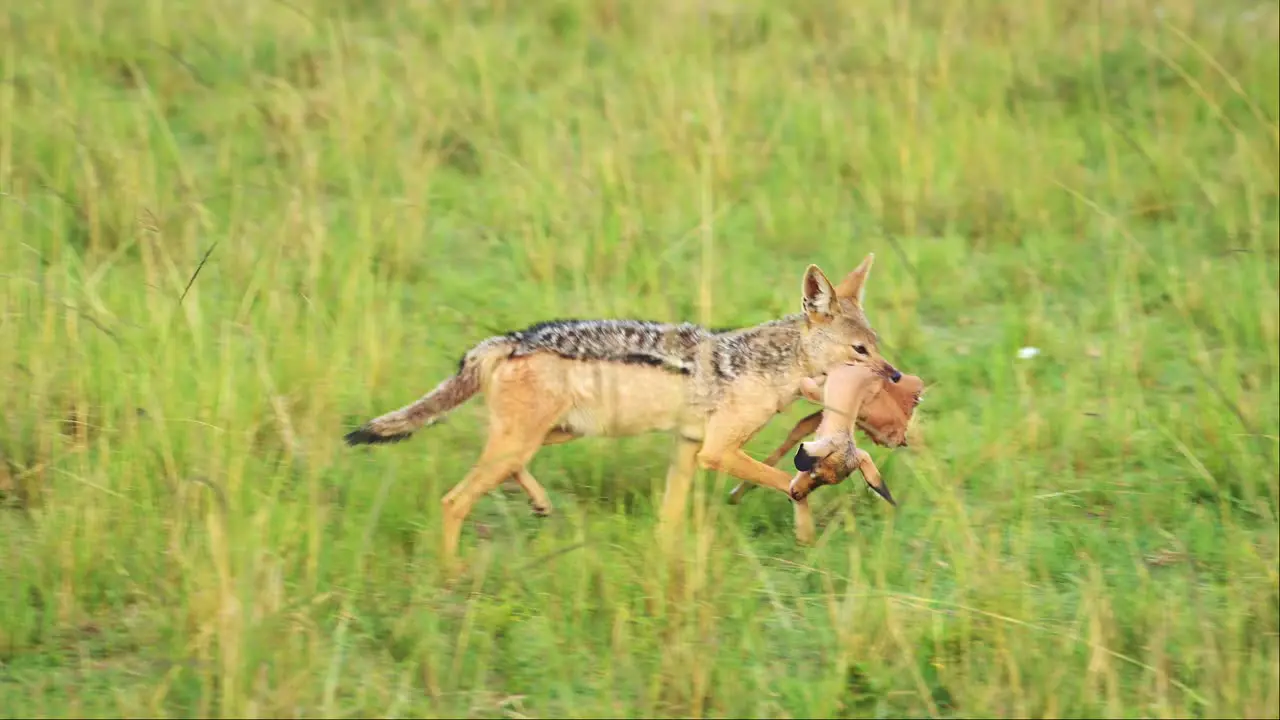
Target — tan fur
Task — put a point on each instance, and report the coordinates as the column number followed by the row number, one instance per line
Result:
column 714, row 390
column 851, row 395
column 887, row 417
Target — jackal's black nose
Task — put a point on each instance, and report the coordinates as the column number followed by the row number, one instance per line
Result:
column 895, row 375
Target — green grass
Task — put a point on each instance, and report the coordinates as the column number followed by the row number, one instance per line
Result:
column 377, row 185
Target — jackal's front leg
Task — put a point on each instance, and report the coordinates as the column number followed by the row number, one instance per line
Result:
column 722, row 450
column 744, row 467
column 675, row 497
column 805, row 427
column 810, row 389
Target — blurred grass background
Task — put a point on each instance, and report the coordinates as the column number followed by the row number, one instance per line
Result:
column 231, row 230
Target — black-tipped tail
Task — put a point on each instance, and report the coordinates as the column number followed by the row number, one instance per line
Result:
column 431, row 408
column 365, row 436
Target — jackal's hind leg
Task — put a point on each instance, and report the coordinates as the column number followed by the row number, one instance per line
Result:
column 526, row 482
column 499, row 461
column 523, row 409
column 538, row 499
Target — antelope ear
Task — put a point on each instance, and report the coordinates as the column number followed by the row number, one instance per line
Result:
column 809, row 453
column 855, row 283
column 818, row 297
column 803, row 462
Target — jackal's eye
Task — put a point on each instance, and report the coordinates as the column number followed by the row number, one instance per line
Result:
column 860, row 349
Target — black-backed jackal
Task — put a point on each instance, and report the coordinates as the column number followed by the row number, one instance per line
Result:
column 557, row 381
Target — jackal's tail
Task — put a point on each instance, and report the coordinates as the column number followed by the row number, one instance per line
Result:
column 398, row 425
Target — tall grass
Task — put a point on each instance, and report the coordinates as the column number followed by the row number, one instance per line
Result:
column 231, row 230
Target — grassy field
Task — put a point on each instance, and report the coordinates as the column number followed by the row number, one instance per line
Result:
column 232, row 230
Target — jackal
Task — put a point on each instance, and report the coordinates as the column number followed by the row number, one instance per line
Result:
column 557, row 381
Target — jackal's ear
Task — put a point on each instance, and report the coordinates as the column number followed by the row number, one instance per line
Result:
column 855, row 283
column 818, row 296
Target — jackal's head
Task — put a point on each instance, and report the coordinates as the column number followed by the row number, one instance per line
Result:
column 837, row 330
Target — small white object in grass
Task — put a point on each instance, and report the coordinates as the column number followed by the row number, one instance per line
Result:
column 1027, row 353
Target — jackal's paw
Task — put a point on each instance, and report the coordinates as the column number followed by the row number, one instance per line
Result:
column 540, row 510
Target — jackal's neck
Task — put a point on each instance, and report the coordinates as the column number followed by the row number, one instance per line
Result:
column 771, row 348
column 787, row 322
column 785, row 340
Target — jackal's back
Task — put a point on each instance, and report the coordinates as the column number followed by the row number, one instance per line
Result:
column 639, row 342
column 685, row 348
